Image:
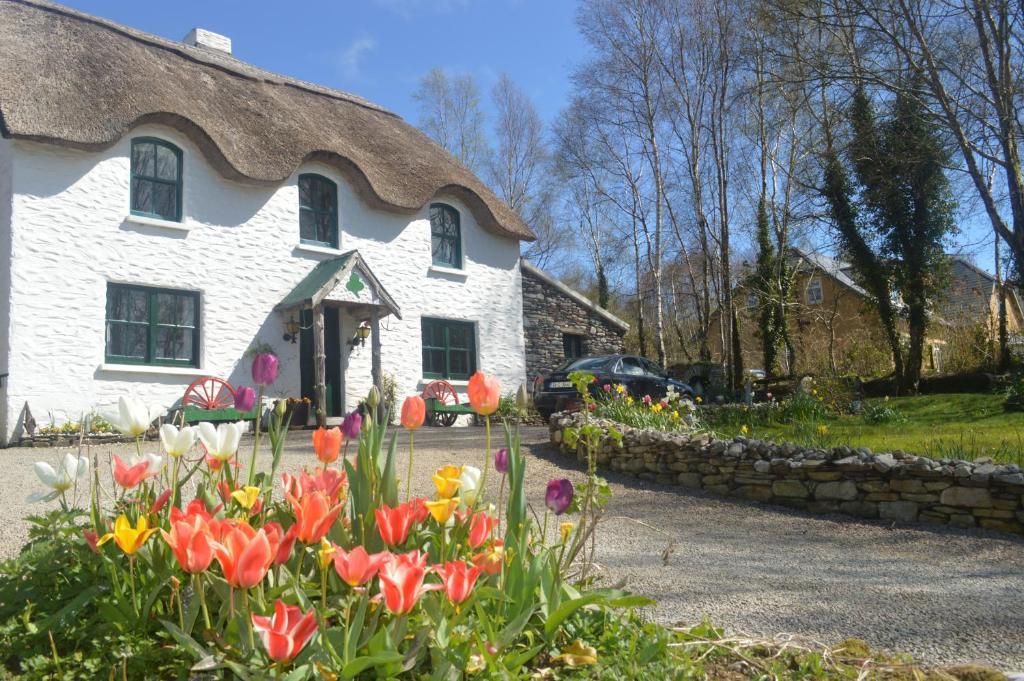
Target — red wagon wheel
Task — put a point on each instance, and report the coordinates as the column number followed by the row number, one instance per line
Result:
column 444, row 393
column 209, row 392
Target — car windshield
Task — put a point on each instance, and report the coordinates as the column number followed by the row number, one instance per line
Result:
column 584, row 364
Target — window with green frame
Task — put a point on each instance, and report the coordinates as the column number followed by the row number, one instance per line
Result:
column 154, row 326
column 156, row 179
column 445, row 235
column 318, row 211
column 449, row 348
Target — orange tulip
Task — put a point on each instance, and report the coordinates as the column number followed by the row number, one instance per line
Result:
column 459, row 579
column 244, row 555
column 327, row 480
column 401, row 581
column 314, row 516
column 129, row 475
column 287, row 632
column 484, row 393
column 357, row 567
column 192, row 544
column 284, row 541
column 414, row 410
column 492, row 559
column 394, row 523
column 327, row 443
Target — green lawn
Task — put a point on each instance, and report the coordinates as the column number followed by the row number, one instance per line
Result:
column 962, row 426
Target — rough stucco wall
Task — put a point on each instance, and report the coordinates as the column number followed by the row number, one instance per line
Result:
column 6, row 179
column 547, row 314
column 70, row 238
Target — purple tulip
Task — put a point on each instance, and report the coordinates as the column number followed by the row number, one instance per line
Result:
column 264, row 368
column 559, row 496
column 501, row 460
column 245, row 398
column 351, row 424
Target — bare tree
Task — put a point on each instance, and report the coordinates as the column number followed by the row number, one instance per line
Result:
column 449, row 112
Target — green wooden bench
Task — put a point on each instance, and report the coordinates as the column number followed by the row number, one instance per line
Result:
column 212, row 399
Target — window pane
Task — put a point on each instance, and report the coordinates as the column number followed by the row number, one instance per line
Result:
column 433, row 362
column 444, row 250
column 126, row 340
column 459, row 363
column 175, row 309
column 143, row 154
column 458, row 336
column 305, row 189
column 165, row 199
column 142, row 195
column 173, row 343
column 433, row 334
column 166, row 163
column 325, row 228
column 307, row 225
column 127, row 305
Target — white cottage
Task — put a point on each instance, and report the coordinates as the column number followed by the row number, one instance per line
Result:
column 164, row 206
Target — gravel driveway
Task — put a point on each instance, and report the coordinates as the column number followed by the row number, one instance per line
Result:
column 940, row 594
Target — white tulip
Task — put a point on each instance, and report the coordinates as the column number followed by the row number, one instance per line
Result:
column 221, row 442
column 133, row 416
column 62, row 479
column 469, row 484
column 177, row 442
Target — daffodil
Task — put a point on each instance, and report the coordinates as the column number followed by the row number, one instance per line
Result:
column 744, row 429
column 698, row 399
column 619, row 388
column 447, row 481
column 62, row 479
column 133, row 417
column 129, row 539
column 177, row 442
column 823, row 430
column 565, row 529
column 246, row 496
column 442, row 509
column 675, row 416
column 656, row 407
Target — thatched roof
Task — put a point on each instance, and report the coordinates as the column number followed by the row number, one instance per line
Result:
column 72, row 79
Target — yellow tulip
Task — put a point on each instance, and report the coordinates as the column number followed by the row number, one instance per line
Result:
column 577, row 654
column 325, row 553
column 129, row 539
column 442, row 509
column 447, row 480
column 246, row 496
column 566, row 529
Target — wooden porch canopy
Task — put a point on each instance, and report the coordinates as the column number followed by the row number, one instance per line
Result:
column 344, row 282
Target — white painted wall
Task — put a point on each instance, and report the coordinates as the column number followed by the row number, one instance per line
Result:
column 70, row 237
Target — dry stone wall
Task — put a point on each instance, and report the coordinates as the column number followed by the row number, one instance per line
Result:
column 855, row 481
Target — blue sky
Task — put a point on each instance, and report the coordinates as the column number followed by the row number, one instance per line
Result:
column 379, row 49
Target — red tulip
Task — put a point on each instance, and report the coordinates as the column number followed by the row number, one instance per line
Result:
column 161, row 501
column 414, row 411
column 480, row 529
column 285, row 541
column 357, row 567
column 129, row 476
column 327, row 443
column 484, row 393
column 192, row 544
column 420, row 512
column 459, row 579
column 287, row 632
column 244, row 554
column 394, row 523
column 314, row 516
column 401, row 581
column 91, row 538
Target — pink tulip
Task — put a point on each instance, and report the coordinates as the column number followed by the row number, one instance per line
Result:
column 357, row 567
column 245, row 399
column 264, row 368
column 459, row 580
column 287, row 632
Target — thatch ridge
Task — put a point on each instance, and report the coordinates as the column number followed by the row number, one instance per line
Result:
column 80, row 81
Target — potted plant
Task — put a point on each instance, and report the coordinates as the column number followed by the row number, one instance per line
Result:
column 297, row 409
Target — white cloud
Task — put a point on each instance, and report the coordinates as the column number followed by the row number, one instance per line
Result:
column 349, row 61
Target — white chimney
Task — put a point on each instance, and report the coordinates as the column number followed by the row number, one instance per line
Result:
column 200, row 37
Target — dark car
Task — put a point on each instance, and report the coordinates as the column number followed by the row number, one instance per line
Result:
column 639, row 375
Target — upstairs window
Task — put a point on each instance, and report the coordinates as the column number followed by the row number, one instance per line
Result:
column 318, row 211
column 156, row 179
column 152, row 326
column 572, row 345
column 449, row 349
column 445, row 236
column 814, row 294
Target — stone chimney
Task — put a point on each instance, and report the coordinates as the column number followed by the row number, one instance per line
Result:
column 200, row 37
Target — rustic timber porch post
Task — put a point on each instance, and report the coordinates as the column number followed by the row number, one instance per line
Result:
column 375, row 360
column 319, row 365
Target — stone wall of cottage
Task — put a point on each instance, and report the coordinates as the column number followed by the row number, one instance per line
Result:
column 853, row 481
column 548, row 313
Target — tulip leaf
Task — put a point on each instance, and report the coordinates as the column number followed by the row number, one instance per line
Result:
column 388, row 483
column 568, row 608
column 517, row 660
column 361, row 664
column 631, row 602
column 184, row 639
column 76, row 604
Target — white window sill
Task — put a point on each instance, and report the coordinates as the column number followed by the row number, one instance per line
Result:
column 322, row 250
column 150, row 369
column 158, row 223
column 451, row 271
column 452, row 382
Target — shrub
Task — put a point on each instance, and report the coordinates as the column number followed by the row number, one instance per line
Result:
column 878, row 413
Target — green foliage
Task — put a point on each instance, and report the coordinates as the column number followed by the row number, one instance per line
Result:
column 879, row 413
